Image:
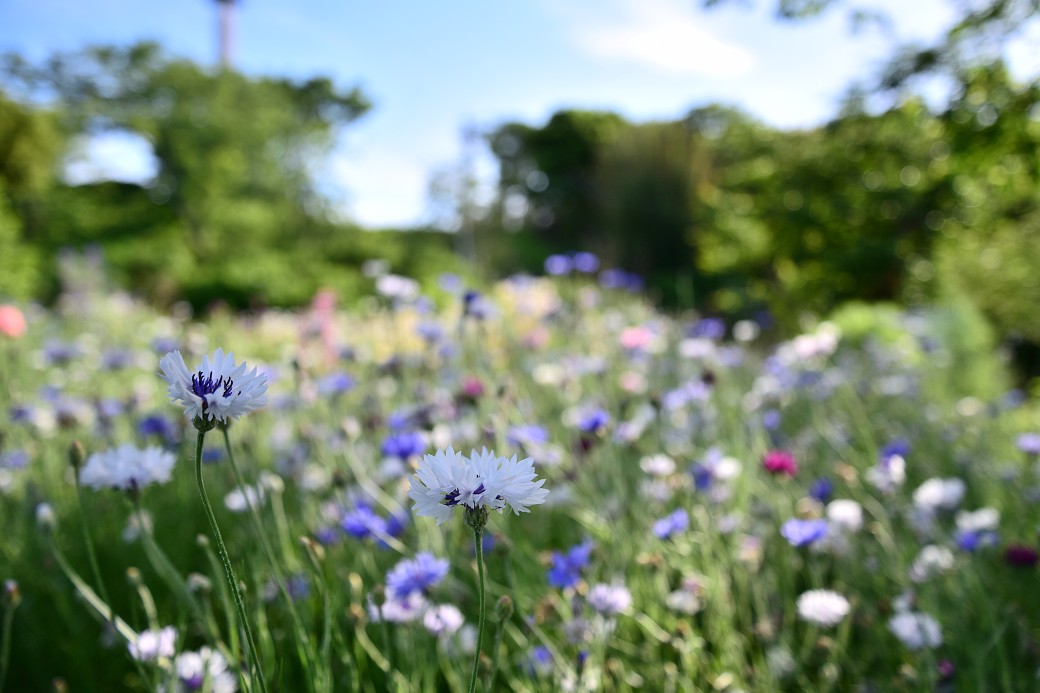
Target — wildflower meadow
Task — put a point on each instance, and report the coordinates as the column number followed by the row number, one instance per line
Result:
column 541, row 485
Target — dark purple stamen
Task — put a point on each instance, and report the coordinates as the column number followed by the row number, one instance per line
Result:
column 452, row 499
column 203, row 386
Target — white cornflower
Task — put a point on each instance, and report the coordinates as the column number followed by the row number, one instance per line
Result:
column 449, row 478
column 240, row 499
column 218, row 390
column 151, row 645
column 822, row 607
column 916, row 630
column 610, row 599
column 930, row 561
column 845, row 514
column 205, row 666
column 939, row 494
column 443, row 619
column 127, row 467
column 981, row 520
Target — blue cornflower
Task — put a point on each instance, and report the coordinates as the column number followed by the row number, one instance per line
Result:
column 404, row 445
column 822, row 489
column 159, row 426
column 585, row 262
column 336, row 384
column 528, row 434
column 594, row 421
column 970, row 540
column 899, row 446
column 803, row 532
column 702, row 476
column 326, row 535
column 566, row 568
column 708, row 328
column 558, row 265
column 671, row 524
column 117, row 359
column 1029, row 443
column 109, row 408
column 362, row 522
column 771, row 419
column 14, row 459
column 539, row 661
column 418, row 574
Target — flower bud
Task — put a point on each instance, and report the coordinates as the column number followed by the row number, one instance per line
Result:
column 12, row 593
column 504, row 608
column 45, row 518
column 77, row 455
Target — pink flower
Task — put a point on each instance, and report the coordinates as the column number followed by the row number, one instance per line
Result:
column 780, row 462
column 12, row 322
column 633, row 338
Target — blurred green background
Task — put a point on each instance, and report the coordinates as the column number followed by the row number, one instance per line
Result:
column 907, row 204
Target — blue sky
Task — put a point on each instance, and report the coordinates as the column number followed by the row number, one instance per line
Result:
column 433, row 68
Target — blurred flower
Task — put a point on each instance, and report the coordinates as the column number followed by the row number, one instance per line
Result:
column 418, row 574
column 220, row 389
column 822, row 607
column 916, row 630
column 127, row 468
column 151, row 645
column 672, row 523
column 443, row 619
column 594, row 421
column 449, row 478
column 566, row 568
column 394, row 610
column 803, row 532
column 1021, row 556
column 12, row 322
column 585, row 262
column 335, row 384
column 931, row 560
column 404, row 446
column 609, row 599
column 657, row 465
column 780, row 462
column 206, row 667
column 822, row 489
column 1029, row 443
column 845, row 514
column 558, row 265
column 939, row 494
column 240, row 499
column 14, row 459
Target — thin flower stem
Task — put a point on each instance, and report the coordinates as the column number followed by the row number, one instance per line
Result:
column 478, row 538
column 229, row 572
column 304, row 651
column 91, row 598
column 5, row 642
column 499, row 632
column 91, row 555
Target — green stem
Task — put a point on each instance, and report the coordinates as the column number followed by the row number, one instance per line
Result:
column 5, row 644
column 91, row 555
column 229, row 572
column 302, row 637
column 494, row 654
column 477, row 535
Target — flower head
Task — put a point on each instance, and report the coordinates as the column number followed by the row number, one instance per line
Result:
column 416, row 575
column 916, row 630
column 480, row 481
column 780, row 462
column 151, row 645
column 218, row 390
column 610, row 599
column 127, row 467
column 822, row 607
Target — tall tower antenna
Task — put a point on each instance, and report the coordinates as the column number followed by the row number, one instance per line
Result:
column 226, row 8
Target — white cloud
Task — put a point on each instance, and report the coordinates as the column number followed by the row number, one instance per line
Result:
column 662, row 35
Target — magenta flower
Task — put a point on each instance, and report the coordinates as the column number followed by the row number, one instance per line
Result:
column 780, row 462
